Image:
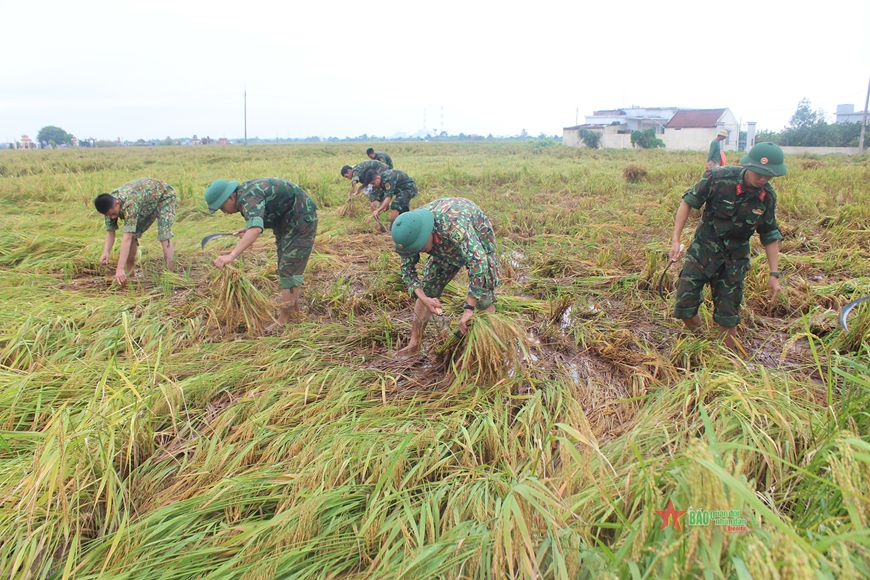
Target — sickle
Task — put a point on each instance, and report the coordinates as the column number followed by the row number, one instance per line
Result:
column 207, row 239
column 848, row 307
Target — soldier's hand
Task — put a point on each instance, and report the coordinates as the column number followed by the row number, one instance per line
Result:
column 463, row 320
column 433, row 304
column 222, row 261
column 121, row 277
column 676, row 251
column 240, row 232
column 774, row 288
column 104, row 259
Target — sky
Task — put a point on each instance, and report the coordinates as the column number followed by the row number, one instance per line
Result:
column 156, row 68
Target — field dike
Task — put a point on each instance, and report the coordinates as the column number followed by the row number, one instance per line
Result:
column 170, row 430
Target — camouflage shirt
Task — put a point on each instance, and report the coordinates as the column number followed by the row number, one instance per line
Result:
column 384, row 158
column 359, row 170
column 733, row 211
column 139, row 199
column 265, row 201
column 462, row 236
column 393, row 180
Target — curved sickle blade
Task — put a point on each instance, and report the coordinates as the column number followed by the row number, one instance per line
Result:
column 662, row 280
column 847, row 308
column 207, row 239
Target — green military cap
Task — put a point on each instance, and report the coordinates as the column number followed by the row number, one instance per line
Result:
column 218, row 192
column 411, row 231
column 765, row 159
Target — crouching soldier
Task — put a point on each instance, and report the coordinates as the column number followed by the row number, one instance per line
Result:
column 284, row 208
column 391, row 188
column 737, row 202
column 356, row 173
column 380, row 156
column 139, row 203
column 455, row 233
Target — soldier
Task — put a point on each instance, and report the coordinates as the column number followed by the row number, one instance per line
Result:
column 716, row 156
column 138, row 203
column 455, row 233
column 380, row 156
column 355, row 173
column 391, row 188
column 738, row 201
column 287, row 210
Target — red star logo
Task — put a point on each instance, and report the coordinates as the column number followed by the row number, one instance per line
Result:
column 671, row 515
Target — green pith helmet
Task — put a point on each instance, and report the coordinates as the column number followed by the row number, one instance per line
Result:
column 765, row 159
column 411, row 231
column 218, row 192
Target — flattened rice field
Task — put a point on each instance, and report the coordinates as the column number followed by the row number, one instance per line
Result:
column 161, row 431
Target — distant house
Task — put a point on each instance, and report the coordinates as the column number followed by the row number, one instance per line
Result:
column 691, row 129
column 847, row 114
column 694, row 129
column 26, row 143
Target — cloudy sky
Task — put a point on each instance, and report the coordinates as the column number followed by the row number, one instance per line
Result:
column 152, row 68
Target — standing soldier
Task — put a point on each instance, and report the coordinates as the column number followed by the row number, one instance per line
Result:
column 287, row 210
column 356, row 173
column 455, row 233
column 737, row 202
column 391, row 188
column 380, row 156
column 138, row 203
column 716, row 157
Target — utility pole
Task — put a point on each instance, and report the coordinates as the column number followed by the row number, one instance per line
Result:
column 246, row 114
column 864, row 121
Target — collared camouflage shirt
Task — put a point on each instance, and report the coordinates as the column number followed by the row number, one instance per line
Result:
column 359, row 170
column 264, row 202
column 384, row 158
column 732, row 212
column 140, row 200
column 393, row 180
column 462, row 236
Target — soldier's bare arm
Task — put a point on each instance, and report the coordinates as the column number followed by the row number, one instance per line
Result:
column 249, row 238
column 107, row 247
column 772, row 252
column 679, row 224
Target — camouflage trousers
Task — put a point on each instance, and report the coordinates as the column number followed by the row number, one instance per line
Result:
column 726, row 284
column 164, row 215
column 401, row 201
column 437, row 274
column 294, row 240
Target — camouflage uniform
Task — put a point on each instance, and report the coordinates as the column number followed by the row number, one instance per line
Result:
column 384, row 158
column 462, row 236
column 143, row 201
column 290, row 213
column 359, row 170
column 719, row 253
column 398, row 185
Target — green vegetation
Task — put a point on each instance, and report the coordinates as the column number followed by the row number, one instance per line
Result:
column 808, row 128
column 646, row 139
column 161, row 431
column 53, row 135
